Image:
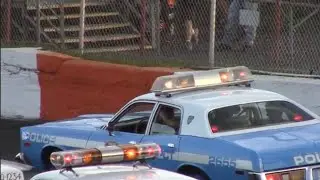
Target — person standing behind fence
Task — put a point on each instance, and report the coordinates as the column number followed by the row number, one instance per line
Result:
column 233, row 25
column 191, row 14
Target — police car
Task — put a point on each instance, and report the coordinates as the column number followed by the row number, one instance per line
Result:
column 210, row 125
column 11, row 170
column 87, row 164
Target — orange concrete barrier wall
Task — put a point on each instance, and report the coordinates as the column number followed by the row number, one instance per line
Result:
column 72, row 86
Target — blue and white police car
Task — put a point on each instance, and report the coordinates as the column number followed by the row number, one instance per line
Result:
column 209, row 124
column 101, row 163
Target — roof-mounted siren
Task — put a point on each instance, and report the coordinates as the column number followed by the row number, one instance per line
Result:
column 104, row 155
column 192, row 80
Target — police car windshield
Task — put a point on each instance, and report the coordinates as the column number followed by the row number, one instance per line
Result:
column 258, row 114
column 136, row 116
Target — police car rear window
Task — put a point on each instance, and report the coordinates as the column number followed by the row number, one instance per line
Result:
column 258, row 114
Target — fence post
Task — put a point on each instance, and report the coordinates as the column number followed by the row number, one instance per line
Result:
column 153, row 23
column 212, row 32
column 157, row 24
column 24, row 20
column 38, row 31
column 278, row 31
column 82, row 24
column 62, row 34
column 142, row 25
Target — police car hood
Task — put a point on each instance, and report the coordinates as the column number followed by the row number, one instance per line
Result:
column 282, row 148
column 15, row 165
column 82, row 122
column 113, row 172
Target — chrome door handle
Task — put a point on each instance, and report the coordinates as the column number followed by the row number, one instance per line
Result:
column 171, row 145
column 132, row 142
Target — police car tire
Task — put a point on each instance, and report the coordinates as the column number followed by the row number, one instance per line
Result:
column 199, row 175
column 193, row 172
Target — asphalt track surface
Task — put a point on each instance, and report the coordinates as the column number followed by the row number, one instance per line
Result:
column 9, row 139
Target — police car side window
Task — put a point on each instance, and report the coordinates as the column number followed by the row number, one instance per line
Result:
column 166, row 121
column 135, row 118
column 234, row 117
column 252, row 115
column 274, row 112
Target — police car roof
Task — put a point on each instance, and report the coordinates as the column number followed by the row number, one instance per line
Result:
column 112, row 172
column 214, row 98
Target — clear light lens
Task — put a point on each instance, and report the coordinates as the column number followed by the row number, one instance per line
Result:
column 168, row 85
column 316, row 174
column 200, row 79
column 224, row 76
column 108, row 154
column 285, row 177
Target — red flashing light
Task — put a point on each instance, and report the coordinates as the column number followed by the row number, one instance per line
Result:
column 242, row 74
column 150, row 151
column 118, row 153
column 158, row 149
column 214, row 129
column 68, row 158
column 273, row 177
column 297, row 117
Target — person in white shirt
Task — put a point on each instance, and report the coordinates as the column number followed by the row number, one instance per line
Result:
column 233, row 26
column 166, row 123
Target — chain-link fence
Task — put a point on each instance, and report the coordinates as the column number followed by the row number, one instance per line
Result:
column 269, row 35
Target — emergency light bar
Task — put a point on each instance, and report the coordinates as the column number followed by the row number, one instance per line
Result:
column 104, row 155
column 202, row 79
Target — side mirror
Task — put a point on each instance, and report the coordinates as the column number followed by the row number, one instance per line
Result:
column 110, row 128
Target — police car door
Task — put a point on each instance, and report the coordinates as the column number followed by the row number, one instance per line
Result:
column 129, row 125
column 164, row 130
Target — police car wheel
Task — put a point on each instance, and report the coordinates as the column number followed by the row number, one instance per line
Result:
column 193, row 172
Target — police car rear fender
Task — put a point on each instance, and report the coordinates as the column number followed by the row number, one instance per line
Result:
column 217, row 157
column 282, row 148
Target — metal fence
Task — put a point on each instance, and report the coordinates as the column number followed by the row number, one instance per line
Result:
column 267, row 35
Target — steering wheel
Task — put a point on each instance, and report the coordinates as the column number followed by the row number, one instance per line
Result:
column 136, row 129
